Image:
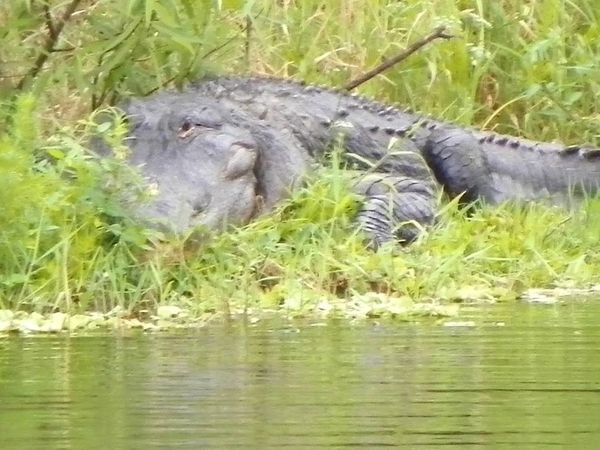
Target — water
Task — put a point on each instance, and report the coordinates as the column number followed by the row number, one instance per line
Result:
column 532, row 383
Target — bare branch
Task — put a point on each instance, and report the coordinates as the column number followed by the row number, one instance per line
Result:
column 438, row 33
column 54, row 31
column 49, row 22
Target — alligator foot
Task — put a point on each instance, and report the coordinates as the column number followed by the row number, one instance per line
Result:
column 395, row 208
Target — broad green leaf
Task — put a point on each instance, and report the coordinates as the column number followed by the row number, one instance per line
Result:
column 56, row 153
column 103, row 127
column 167, row 16
column 184, row 40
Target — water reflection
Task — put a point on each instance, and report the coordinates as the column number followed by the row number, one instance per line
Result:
column 532, row 382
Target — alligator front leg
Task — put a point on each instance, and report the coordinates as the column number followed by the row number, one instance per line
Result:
column 395, row 207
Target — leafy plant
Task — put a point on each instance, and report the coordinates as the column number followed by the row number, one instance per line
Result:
column 526, row 68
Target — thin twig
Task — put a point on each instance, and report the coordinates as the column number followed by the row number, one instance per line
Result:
column 439, row 33
column 52, row 37
column 208, row 53
column 97, row 100
column 247, row 41
column 249, row 21
column 221, row 46
column 16, row 75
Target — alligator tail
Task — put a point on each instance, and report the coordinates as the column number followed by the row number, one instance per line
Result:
column 497, row 168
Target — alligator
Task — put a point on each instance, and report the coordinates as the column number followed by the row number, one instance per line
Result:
column 224, row 150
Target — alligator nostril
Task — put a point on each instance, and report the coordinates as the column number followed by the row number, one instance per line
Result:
column 242, row 161
column 199, row 205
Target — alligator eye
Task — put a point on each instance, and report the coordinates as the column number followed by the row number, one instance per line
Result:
column 185, row 129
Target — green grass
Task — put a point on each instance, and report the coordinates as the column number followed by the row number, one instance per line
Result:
column 526, row 68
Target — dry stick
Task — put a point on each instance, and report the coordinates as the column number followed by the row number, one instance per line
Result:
column 49, row 21
column 54, row 31
column 438, row 33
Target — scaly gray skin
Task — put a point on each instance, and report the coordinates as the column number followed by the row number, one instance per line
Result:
column 225, row 150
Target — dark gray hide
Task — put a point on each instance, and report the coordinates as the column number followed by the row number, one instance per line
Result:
column 223, row 150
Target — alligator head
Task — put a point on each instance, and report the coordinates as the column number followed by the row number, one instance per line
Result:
column 199, row 166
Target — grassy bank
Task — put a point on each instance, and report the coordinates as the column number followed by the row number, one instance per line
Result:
column 526, row 68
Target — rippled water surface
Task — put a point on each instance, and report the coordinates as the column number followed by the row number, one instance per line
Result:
column 525, row 375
